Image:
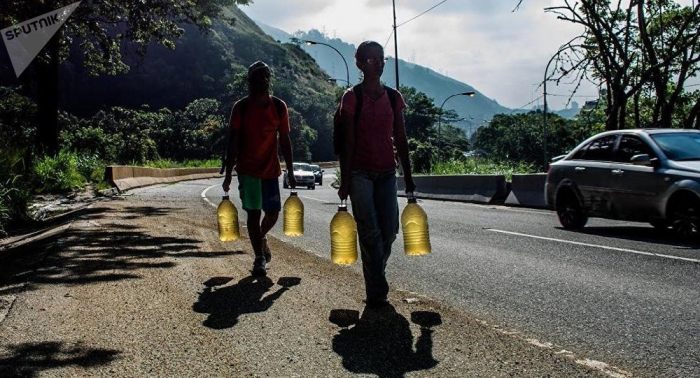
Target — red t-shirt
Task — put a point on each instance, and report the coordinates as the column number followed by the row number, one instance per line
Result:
column 374, row 143
column 257, row 150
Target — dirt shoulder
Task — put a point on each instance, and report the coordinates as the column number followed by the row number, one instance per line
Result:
column 130, row 288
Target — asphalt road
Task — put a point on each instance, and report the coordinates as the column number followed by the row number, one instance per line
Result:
column 138, row 285
column 617, row 292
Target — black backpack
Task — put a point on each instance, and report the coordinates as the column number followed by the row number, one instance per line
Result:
column 244, row 107
column 338, row 142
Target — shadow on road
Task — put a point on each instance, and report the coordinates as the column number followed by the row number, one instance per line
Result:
column 224, row 305
column 641, row 234
column 30, row 359
column 109, row 252
column 381, row 342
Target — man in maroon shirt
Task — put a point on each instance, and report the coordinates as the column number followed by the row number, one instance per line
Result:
column 253, row 149
column 368, row 167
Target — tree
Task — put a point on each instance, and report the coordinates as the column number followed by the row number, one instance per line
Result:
column 104, row 31
column 632, row 48
column 420, row 115
column 518, row 137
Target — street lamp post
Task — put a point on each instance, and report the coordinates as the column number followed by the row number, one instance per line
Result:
column 470, row 94
column 396, row 47
column 347, row 70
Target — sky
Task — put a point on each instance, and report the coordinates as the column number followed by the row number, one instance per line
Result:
column 487, row 44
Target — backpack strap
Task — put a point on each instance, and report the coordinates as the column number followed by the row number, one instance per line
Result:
column 280, row 107
column 242, row 108
column 391, row 92
column 357, row 90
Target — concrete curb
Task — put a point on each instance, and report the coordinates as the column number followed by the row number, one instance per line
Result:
column 129, row 177
column 527, row 191
column 464, row 188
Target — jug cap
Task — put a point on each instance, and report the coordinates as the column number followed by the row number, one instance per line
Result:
column 343, row 205
column 411, row 197
column 293, row 193
column 225, row 196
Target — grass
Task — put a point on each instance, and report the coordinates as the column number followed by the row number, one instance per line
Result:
column 480, row 166
column 167, row 163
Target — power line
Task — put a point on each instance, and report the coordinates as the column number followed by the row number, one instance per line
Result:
column 426, row 11
column 388, row 39
column 403, row 23
column 528, row 104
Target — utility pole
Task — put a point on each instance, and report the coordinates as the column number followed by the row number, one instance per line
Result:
column 396, row 47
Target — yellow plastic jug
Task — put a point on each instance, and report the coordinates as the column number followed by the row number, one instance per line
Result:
column 343, row 236
column 293, row 215
column 414, row 224
column 227, row 215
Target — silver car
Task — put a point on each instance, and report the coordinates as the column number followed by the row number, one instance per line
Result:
column 643, row 175
column 304, row 176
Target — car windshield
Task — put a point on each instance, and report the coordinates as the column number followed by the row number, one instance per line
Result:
column 302, row 167
column 315, row 168
column 679, row 146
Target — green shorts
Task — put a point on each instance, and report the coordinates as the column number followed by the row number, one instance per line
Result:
column 259, row 194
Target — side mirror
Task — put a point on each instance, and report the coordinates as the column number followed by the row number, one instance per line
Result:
column 641, row 159
column 323, row 170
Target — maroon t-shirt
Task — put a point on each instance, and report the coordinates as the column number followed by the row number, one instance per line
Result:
column 374, row 143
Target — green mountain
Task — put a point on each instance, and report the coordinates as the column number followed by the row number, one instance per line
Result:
column 206, row 65
column 475, row 111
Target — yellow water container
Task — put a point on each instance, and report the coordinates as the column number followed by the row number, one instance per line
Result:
column 227, row 215
column 414, row 224
column 343, row 237
column 293, row 215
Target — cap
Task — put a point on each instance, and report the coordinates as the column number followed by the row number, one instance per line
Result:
column 257, row 66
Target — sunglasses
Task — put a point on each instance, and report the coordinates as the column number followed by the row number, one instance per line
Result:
column 373, row 61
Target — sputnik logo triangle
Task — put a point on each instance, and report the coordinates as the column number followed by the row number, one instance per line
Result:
column 25, row 40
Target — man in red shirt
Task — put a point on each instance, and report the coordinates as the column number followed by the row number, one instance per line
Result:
column 368, row 167
column 256, row 122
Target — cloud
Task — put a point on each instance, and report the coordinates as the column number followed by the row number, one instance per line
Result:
column 482, row 43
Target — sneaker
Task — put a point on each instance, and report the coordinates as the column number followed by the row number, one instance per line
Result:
column 259, row 267
column 266, row 250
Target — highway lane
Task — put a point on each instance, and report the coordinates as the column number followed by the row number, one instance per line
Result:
column 618, row 292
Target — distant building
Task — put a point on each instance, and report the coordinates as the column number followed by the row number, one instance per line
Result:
column 590, row 105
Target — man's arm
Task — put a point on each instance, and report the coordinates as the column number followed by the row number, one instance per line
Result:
column 232, row 149
column 286, row 147
column 401, row 142
column 347, row 153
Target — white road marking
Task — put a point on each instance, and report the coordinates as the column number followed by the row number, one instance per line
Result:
column 204, row 196
column 317, row 200
column 596, row 246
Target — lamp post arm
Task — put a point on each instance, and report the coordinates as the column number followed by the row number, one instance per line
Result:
column 440, row 117
column 347, row 69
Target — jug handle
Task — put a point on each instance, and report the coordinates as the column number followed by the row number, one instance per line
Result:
column 411, row 197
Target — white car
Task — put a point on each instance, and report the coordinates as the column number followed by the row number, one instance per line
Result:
column 304, row 175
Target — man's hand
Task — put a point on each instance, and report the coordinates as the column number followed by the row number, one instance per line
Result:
column 410, row 185
column 292, row 181
column 227, row 183
column 343, row 192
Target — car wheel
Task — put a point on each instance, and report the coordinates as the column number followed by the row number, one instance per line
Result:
column 684, row 217
column 284, row 184
column 320, row 182
column 312, row 187
column 569, row 211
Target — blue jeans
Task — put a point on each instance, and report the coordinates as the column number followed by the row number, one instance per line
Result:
column 376, row 211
